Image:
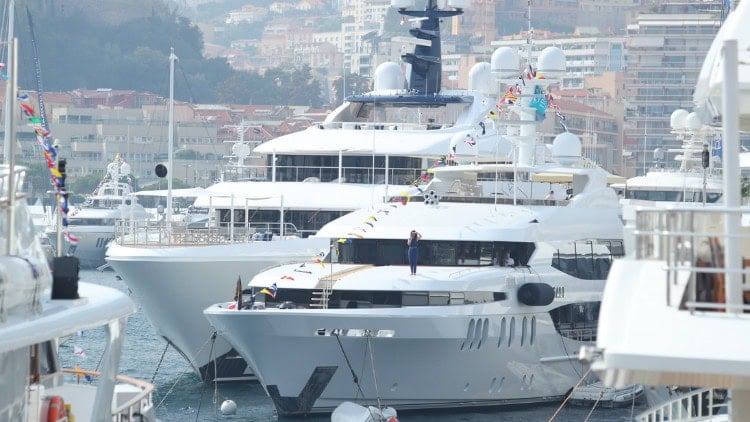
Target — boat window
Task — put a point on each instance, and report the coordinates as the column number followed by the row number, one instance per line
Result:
column 381, row 252
column 587, row 259
column 577, row 321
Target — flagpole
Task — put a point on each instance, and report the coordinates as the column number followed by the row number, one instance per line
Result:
column 8, row 97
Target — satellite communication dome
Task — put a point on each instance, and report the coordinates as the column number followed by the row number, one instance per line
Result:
column 402, row 4
column 551, row 62
column 241, row 150
column 693, row 121
column 678, row 119
column 480, row 78
column 459, row 4
column 504, row 62
column 125, row 169
column 388, row 75
column 566, row 148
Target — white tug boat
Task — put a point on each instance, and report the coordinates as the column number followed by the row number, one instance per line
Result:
column 675, row 311
column 37, row 312
column 374, row 147
column 94, row 221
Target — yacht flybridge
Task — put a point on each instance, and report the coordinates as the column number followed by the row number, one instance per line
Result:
column 376, row 148
column 676, row 310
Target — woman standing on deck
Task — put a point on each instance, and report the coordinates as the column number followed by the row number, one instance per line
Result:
column 413, row 241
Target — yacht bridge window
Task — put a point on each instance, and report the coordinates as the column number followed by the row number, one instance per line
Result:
column 672, row 196
column 587, row 259
column 394, row 114
column 354, row 169
column 382, row 252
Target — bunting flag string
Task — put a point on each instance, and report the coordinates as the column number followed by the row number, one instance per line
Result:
column 57, row 176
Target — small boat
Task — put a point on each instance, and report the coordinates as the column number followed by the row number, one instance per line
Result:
column 353, row 412
column 597, row 394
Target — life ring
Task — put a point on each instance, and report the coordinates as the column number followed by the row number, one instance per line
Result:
column 56, row 410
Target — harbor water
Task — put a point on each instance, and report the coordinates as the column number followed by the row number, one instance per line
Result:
column 181, row 396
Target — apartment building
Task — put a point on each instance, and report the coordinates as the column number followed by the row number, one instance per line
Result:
column 665, row 52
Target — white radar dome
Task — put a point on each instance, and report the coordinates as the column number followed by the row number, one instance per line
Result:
column 551, row 63
column 678, row 119
column 241, row 150
column 480, row 78
column 402, row 4
column 388, row 76
column 566, row 148
column 505, row 63
column 459, row 4
column 693, row 121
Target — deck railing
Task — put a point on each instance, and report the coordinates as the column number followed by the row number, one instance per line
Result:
column 139, row 404
column 692, row 243
column 157, row 234
column 691, row 406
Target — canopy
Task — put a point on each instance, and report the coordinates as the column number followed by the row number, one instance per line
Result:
column 549, row 177
column 176, row 193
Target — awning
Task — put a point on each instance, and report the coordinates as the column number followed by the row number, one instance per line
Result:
column 176, row 193
column 548, row 177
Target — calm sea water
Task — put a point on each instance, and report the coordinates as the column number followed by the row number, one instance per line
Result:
column 181, row 396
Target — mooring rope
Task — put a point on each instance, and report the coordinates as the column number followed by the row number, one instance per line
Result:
column 158, row 365
column 181, row 375
column 601, row 393
column 203, row 384
column 374, row 378
column 354, row 375
column 569, row 394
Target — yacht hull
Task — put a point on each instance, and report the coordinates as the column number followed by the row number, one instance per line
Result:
column 174, row 285
column 423, row 358
column 91, row 247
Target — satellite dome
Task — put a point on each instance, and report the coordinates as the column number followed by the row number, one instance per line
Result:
column 566, row 148
column 504, row 63
column 551, row 62
column 693, row 121
column 388, row 75
column 678, row 119
column 480, row 78
column 241, row 150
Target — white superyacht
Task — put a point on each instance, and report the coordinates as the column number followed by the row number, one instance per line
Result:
column 462, row 331
column 38, row 312
column 676, row 311
column 373, row 148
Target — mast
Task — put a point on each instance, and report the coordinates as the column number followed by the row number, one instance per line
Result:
column 11, row 157
column 9, row 98
column 426, row 64
column 170, row 137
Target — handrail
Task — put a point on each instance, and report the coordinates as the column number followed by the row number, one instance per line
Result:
column 132, row 407
column 156, row 234
column 691, row 244
column 687, row 406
